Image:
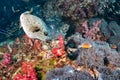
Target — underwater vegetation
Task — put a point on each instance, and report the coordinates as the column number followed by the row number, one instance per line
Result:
column 62, row 40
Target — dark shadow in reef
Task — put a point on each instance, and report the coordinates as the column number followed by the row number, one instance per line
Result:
column 71, row 29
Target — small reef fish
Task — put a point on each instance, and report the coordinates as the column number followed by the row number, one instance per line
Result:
column 85, row 45
column 113, row 46
column 33, row 26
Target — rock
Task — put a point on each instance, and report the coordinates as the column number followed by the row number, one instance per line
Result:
column 104, row 28
column 116, row 41
column 114, row 28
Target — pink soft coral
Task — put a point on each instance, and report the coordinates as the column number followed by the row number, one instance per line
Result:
column 6, row 59
column 91, row 31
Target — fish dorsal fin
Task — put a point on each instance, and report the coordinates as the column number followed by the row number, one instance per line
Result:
column 27, row 12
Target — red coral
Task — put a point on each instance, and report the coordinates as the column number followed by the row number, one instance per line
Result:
column 29, row 72
column 18, row 77
column 61, row 42
column 60, row 50
column 26, row 67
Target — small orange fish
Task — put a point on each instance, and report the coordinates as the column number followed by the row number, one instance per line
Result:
column 85, row 45
column 113, row 46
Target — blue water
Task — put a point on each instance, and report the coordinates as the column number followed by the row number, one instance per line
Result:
column 10, row 11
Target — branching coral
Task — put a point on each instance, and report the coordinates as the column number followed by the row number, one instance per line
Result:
column 91, row 31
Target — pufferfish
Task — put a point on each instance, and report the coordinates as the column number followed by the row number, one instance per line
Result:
column 33, row 26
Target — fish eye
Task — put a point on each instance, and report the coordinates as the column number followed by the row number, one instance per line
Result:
column 45, row 33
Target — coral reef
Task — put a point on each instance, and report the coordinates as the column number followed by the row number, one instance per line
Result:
column 60, row 59
column 91, row 31
column 76, row 9
column 98, row 51
column 84, row 42
column 26, row 51
column 98, row 62
column 59, row 51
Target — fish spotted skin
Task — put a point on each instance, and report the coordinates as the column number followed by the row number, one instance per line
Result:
column 33, row 26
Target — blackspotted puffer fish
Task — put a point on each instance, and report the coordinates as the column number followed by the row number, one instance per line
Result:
column 33, row 26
